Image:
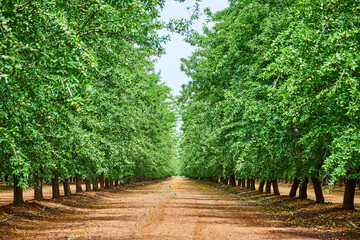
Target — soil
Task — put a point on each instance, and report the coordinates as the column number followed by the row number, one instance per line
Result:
column 177, row 208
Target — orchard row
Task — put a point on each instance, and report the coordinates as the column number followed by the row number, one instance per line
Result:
column 275, row 93
column 79, row 96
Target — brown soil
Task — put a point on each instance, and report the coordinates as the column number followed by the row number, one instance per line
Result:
column 177, row 208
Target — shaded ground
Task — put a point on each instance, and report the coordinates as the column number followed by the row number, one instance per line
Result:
column 6, row 194
column 176, row 208
column 334, row 195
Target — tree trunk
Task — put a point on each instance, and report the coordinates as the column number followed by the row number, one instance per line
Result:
column 324, row 181
column 318, row 190
column 111, row 183
column 232, row 180
column 276, row 187
column 303, row 189
column 348, row 202
column 294, row 187
column 55, row 187
column 340, row 182
column 95, row 185
column 38, row 193
column 243, row 182
column 116, row 182
column 67, row 189
column 18, row 192
column 88, row 185
column 102, row 182
column 107, row 184
column 248, row 183
column 252, row 184
column 78, row 183
column 261, row 186
column 268, row 187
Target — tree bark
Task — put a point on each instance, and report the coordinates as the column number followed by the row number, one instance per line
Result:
column 55, row 187
column 88, row 185
column 275, row 187
column 268, row 187
column 95, row 185
column 107, row 184
column 243, row 182
column 78, row 183
column 261, row 186
column 340, row 182
column 67, row 189
column 116, row 182
column 102, row 182
column 294, row 187
column 248, row 183
column 324, row 181
column 318, row 190
column 303, row 189
column 348, row 201
column 38, row 193
column 111, row 183
column 18, row 192
column 252, row 184
column 232, row 180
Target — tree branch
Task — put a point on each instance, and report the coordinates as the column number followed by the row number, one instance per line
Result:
column 86, row 23
column 23, row 5
column 40, row 119
column 325, row 27
column 276, row 82
column 93, row 31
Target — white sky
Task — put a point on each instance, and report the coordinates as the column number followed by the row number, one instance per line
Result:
column 169, row 64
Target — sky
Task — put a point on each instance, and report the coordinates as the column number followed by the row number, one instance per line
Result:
column 177, row 48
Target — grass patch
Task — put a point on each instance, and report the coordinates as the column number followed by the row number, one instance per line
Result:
column 173, row 195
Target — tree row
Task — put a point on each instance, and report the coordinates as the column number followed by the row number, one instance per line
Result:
column 79, row 96
column 274, row 94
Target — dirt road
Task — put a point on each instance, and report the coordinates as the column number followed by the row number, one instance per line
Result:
column 177, row 208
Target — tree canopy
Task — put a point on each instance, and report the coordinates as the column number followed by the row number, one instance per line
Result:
column 79, row 94
column 274, row 92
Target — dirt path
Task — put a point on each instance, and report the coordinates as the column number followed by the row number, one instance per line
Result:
column 177, row 208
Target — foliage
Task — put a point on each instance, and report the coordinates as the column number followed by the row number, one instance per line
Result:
column 274, row 92
column 79, row 94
